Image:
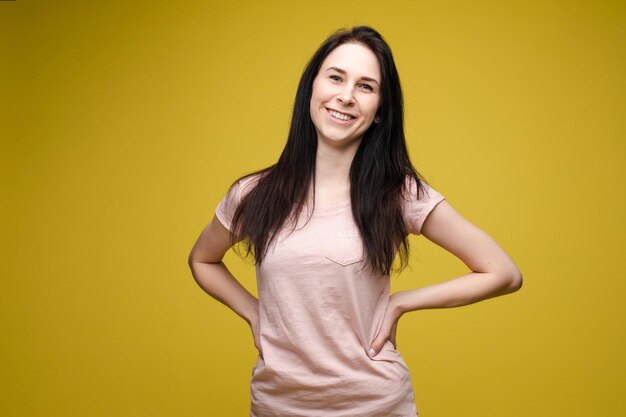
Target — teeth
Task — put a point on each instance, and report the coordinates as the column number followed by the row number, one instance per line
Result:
column 339, row 116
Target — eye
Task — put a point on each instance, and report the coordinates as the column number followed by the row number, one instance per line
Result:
column 367, row 87
column 335, row 77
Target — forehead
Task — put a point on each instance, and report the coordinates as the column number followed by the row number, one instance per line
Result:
column 357, row 60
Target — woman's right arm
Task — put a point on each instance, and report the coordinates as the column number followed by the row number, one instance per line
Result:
column 207, row 268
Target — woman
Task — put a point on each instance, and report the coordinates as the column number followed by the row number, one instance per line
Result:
column 324, row 225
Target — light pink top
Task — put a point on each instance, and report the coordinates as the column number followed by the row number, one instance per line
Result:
column 319, row 316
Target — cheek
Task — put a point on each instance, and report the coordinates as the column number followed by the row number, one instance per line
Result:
column 372, row 106
column 316, row 88
column 314, row 103
column 323, row 90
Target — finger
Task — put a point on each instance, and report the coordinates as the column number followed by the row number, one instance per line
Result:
column 378, row 343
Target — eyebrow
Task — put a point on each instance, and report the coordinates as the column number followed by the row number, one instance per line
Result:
column 339, row 70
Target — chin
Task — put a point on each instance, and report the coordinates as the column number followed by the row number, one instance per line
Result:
column 341, row 140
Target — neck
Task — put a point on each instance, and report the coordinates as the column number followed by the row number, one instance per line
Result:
column 332, row 168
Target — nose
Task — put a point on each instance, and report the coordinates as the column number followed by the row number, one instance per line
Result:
column 345, row 96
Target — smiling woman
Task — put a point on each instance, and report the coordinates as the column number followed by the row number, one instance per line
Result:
column 324, row 225
column 346, row 95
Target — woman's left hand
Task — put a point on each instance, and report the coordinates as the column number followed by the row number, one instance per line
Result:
column 389, row 327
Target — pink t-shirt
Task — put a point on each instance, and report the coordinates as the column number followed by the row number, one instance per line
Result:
column 319, row 316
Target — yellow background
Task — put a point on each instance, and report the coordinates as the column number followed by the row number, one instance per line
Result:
column 123, row 123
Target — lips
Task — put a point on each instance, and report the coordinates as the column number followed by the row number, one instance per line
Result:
column 340, row 117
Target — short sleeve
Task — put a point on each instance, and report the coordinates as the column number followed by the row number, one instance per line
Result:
column 227, row 206
column 416, row 209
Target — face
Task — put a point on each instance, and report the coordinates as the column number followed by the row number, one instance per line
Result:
column 346, row 94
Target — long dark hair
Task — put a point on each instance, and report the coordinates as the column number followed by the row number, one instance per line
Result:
column 378, row 174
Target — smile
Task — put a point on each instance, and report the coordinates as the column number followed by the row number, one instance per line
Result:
column 340, row 116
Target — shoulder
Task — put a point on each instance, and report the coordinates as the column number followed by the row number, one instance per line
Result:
column 243, row 185
column 417, row 190
column 419, row 198
column 229, row 203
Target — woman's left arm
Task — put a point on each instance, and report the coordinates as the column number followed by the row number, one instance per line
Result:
column 493, row 272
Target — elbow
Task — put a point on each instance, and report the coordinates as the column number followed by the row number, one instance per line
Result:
column 191, row 260
column 513, row 280
column 193, row 267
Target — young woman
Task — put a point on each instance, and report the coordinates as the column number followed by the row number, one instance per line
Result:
column 324, row 225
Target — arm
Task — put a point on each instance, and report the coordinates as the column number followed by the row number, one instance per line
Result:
column 207, row 268
column 493, row 272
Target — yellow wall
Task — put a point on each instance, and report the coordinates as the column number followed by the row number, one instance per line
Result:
column 124, row 122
